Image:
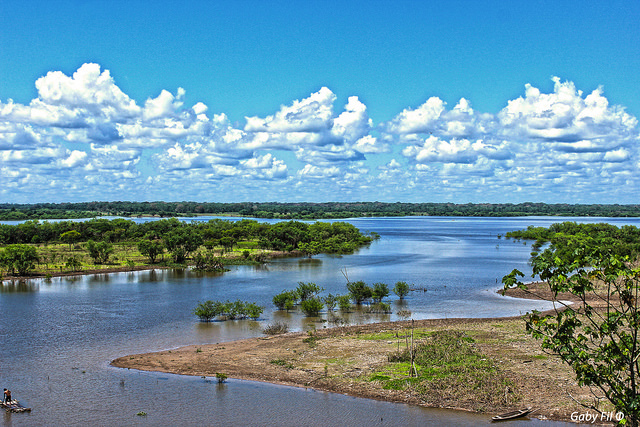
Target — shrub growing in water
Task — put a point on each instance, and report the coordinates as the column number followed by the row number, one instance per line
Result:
column 330, row 301
column 307, row 290
column 344, row 302
column 208, row 262
column 285, row 300
column 401, row 289
column 359, row 291
column 379, row 291
column 206, row 311
column 311, row 306
column 209, row 310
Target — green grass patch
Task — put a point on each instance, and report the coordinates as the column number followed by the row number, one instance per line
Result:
column 395, row 335
column 448, row 365
column 379, row 377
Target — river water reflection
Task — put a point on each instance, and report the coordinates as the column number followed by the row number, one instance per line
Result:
column 58, row 336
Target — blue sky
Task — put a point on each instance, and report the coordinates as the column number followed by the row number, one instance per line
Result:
column 461, row 101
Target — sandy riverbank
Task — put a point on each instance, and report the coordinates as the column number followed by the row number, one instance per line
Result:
column 347, row 359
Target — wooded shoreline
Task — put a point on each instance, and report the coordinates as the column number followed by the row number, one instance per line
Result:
column 306, row 210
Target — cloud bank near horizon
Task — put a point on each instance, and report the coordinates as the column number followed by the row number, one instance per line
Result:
column 84, row 139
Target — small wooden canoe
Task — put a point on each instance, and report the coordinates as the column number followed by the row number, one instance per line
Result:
column 14, row 406
column 513, row 414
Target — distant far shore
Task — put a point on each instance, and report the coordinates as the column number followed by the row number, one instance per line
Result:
column 306, row 210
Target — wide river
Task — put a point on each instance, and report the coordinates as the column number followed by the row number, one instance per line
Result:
column 57, row 337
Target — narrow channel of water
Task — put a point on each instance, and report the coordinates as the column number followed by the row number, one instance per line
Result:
column 58, row 337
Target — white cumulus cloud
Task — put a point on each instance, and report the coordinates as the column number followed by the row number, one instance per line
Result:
column 83, row 138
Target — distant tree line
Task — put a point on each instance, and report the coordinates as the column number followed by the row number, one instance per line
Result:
column 568, row 237
column 327, row 210
column 283, row 236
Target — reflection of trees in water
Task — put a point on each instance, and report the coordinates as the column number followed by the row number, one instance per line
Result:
column 99, row 279
column 72, row 280
column 282, row 315
column 18, row 286
column 400, row 304
column 310, row 263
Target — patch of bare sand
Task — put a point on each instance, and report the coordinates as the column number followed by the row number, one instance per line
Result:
column 340, row 360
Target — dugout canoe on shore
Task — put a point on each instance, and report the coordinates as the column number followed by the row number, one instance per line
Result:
column 513, row 414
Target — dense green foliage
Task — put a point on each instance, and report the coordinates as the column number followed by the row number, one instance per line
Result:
column 307, row 297
column 379, row 291
column 181, row 242
column 344, row 302
column 401, row 289
column 73, row 262
column 18, row 258
column 183, row 238
column 359, row 291
column 305, row 210
column 151, row 249
column 598, row 338
column 567, row 237
column 209, row 310
column 311, row 306
column 206, row 311
column 208, row 262
column 305, row 291
column 330, row 301
column 99, row 251
column 285, row 300
column 199, row 243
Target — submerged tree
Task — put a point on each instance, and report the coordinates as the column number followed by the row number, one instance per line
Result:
column 379, row 292
column 304, row 291
column 311, row 306
column 401, row 289
column 359, row 291
column 207, row 310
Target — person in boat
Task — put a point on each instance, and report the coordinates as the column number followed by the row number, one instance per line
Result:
column 7, row 396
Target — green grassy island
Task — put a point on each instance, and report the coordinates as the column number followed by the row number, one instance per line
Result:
column 68, row 247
